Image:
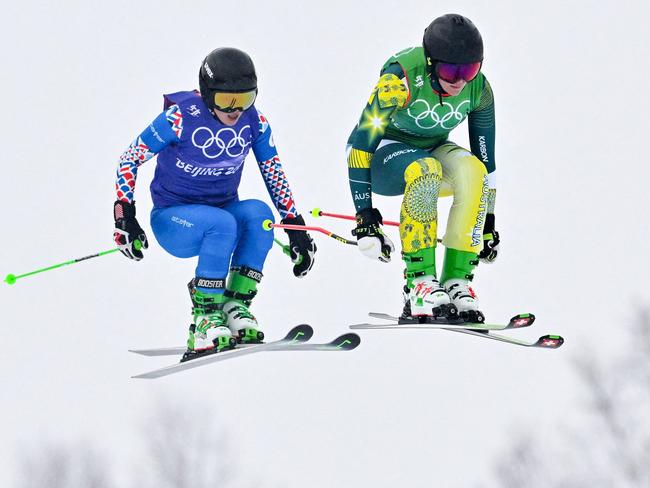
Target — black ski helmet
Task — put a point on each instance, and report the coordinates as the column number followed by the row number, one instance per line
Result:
column 452, row 38
column 226, row 69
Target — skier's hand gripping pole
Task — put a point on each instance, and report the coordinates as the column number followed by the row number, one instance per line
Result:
column 127, row 231
column 372, row 241
column 301, row 248
column 491, row 241
column 11, row 279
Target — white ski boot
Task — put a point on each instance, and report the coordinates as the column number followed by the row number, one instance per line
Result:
column 242, row 322
column 465, row 300
column 428, row 298
column 210, row 332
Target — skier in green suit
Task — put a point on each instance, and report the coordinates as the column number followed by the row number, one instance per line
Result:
column 400, row 146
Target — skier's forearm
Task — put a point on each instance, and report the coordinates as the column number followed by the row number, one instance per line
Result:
column 360, row 186
column 164, row 130
column 482, row 129
column 271, row 169
column 278, row 187
column 127, row 170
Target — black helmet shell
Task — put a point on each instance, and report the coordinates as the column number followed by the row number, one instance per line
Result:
column 226, row 69
column 453, row 38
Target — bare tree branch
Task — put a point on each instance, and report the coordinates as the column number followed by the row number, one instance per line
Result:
column 55, row 466
column 613, row 448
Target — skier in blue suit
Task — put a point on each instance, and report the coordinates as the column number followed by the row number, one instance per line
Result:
column 202, row 139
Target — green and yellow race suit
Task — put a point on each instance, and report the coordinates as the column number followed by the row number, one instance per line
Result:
column 400, row 146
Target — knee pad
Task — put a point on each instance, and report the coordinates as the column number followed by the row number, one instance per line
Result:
column 423, row 178
column 419, row 212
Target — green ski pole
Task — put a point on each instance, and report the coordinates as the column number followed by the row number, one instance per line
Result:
column 11, row 279
column 286, row 249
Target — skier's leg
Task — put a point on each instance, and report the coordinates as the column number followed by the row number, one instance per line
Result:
column 210, row 233
column 467, row 177
column 420, row 178
column 253, row 245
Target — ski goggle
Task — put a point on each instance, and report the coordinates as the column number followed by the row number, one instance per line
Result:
column 232, row 101
column 452, row 73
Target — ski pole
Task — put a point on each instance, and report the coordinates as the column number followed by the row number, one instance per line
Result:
column 268, row 225
column 286, row 250
column 285, row 247
column 317, row 212
column 11, row 279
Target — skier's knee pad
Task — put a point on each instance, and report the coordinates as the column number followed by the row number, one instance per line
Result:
column 423, row 178
column 419, row 213
column 423, row 167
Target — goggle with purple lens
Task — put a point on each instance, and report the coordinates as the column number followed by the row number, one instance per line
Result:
column 452, row 73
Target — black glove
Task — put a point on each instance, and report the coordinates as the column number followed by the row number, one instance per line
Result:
column 490, row 241
column 301, row 246
column 373, row 243
column 127, row 231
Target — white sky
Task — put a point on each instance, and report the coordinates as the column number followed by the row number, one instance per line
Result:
column 82, row 79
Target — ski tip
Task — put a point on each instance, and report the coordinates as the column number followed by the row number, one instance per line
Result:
column 521, row 320
column 358, row 326
column 550, row 341
column 300, row 333
column 346, row 342
column 143, row 352
column 144, row 376
column 383, row 316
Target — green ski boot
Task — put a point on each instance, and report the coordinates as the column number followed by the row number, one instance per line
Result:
column 209, row 331
column 424, row 297
column 241, row 289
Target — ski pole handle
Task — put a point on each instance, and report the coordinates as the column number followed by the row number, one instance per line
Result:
column 317, row 212
column 11, row 279
column 268, row 225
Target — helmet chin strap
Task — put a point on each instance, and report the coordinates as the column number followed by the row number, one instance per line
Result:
column 434, row 81
column 437, row 87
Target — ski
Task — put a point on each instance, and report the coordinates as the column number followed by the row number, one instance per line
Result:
column 178, row 350
column 516, row 322
column 295, row 340
column 477, row 330
column 545, row 342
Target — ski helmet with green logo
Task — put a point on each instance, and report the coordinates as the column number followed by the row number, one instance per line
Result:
column 226, row 69
column 452, row 38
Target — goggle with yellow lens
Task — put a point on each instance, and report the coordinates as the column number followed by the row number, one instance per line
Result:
column 233, row 101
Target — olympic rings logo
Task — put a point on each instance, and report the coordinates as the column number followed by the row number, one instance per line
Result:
column 422, row 119
column 233, row 146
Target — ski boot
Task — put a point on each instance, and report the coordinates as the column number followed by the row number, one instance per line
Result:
column 456, row 278
column 241, row 289
column 209, row 332
column 424, row 298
